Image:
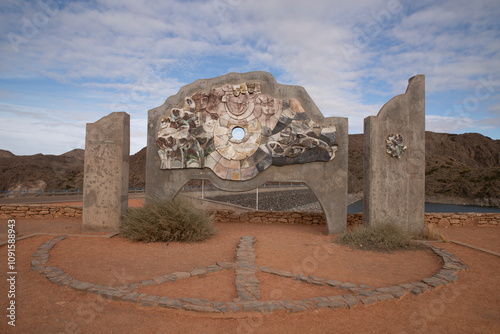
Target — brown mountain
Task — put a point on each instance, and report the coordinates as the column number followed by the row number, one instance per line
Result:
column 459, row 168
column 463, row 166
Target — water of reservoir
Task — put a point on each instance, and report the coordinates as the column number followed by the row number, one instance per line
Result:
column 434, row 207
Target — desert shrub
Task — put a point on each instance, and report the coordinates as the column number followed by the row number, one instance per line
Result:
column 160, row 220
column 430, row 233
column 385, row 237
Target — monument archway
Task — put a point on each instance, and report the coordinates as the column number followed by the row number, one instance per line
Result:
column 242, row 130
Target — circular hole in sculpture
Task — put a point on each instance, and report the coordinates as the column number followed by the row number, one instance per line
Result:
column 238, row 133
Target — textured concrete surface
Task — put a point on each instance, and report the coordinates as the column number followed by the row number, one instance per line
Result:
column 394, row 188
column 328, row 180
column 106, row 172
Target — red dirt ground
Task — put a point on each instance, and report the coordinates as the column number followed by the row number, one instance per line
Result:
column 471, row 305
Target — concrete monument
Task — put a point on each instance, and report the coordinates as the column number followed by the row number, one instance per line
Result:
column 394, row 161
column 106, row 172
column 283, row 137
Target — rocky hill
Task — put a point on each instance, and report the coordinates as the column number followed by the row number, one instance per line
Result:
column 459, row 168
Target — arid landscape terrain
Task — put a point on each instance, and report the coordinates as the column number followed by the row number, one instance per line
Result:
column 459, row 168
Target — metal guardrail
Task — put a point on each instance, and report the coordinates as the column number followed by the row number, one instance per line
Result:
column 70, row 192
column 55, row 192
column 212, row 187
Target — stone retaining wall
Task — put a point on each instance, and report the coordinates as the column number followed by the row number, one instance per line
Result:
column 265, row 217
column 317, row 218
column 463, row 219
column 39, row 211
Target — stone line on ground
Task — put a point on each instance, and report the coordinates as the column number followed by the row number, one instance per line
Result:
column 476, row 248
column 247, row 285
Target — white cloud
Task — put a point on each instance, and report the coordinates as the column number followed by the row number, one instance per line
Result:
column 351, row 57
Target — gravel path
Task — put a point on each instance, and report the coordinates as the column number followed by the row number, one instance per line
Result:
column 274, row 200
column 302, row 200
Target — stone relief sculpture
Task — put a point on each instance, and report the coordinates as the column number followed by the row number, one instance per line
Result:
column 276, row 132
column 394, row 145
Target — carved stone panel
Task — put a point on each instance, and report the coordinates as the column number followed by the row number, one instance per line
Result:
column 199, row 134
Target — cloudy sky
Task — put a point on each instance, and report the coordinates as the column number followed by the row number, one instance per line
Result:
column 68, row 63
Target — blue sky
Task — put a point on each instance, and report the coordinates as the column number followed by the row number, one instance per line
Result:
column 68, row 63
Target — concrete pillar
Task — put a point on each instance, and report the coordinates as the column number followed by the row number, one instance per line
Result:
column 394, row 181
column 106, row 172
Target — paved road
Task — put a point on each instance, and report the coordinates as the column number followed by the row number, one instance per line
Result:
column 54, row 199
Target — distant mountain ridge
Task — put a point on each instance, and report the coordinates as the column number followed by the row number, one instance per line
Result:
column 465, row 166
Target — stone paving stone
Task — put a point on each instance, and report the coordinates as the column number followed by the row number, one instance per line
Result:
column 160, row 280
column 332, row 298
column 269, row 307
column 321, row 305
column 315, row 282
column 66, row 280
column 131, row 298
column 245, row 295
column 148, row 300
column 292, row 307
column 198, row 272
column 226, row 265
column 181, row 275
column 337, row 304
column 55, row 279
column 113, row 295
column 333, row 283
column 197, row 308
column 389, row 289
column 214, row 268
column 221, row 307
column 315, row 300
column 399, row 294
column 169, row 303
column 196, row 301
column 437, row 284
column 250, row 305
column 369, row 300
column 420, row 285
column 347, row 286
column 37, row 268
column 417, row 291
column 368, row 293
column 171, row 277
column 224, row 309
column 350, row 300
column 79, row 285
column 385, row 296
column 429, row 280
column 148, row 282
column 133, row 286
column 233, row 306
column 407, row 286
column 447, row 272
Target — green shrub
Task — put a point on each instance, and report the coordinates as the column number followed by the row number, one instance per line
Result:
column 174, row 220
column 386, row 237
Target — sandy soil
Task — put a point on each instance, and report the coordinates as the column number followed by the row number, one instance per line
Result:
column 471, row 305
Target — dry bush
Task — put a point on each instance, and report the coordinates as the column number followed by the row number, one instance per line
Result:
column 386, row 237
column 165, row 221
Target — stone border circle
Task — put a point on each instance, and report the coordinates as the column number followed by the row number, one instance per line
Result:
column 247, row 284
